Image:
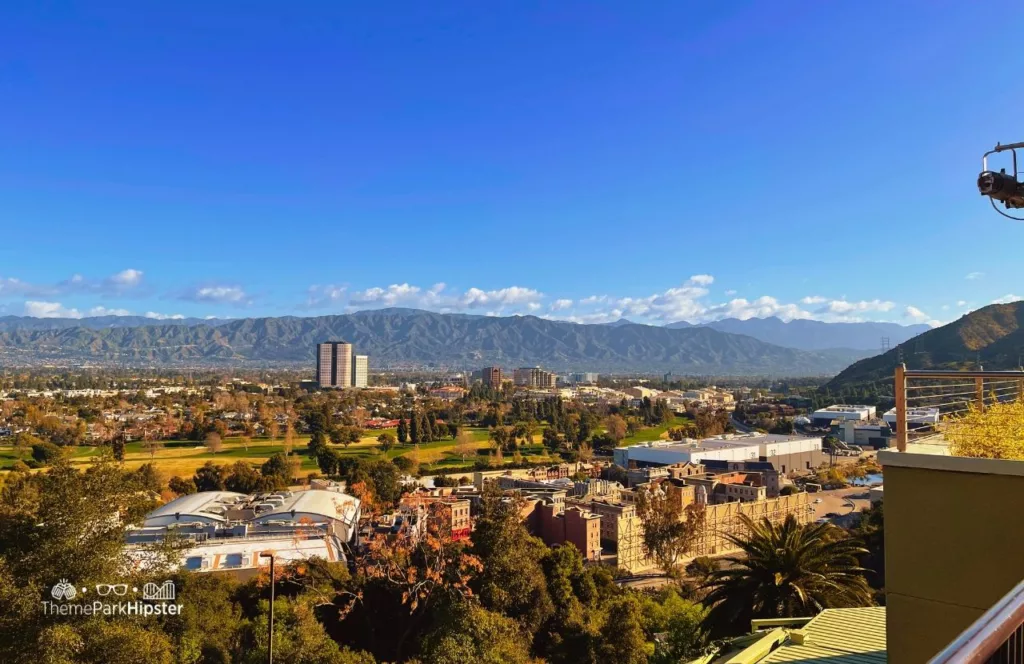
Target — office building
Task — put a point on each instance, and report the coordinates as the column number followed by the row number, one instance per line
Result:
column 359, row 370
column 534, row 377
column 334, row 364
column 491, row 376
column 583, row 378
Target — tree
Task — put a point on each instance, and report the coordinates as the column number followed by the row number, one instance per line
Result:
column 386, row 480
column 512, row 581
column 403, row 431
column 278, row 470
column 404, row 464
column 213, row 442
column 622, row 640
column 615, row 427
column 414, row 428
column 470, row 633
column 464, row 445
column 551, row 439
column 246, row 441
column 181, row 486
column 386, row 441
column 117, row 448
column 670, row 531
column 46, row 453
column 210, row 477
column 453, row 430
column 786, row 570
column 152, row 447
column 243, row 478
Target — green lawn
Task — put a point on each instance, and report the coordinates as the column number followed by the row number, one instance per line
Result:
column 182, row 457
column 653, row 433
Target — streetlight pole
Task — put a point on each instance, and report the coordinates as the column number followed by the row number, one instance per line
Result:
column 270, row 625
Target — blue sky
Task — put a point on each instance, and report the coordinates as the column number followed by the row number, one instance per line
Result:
column 659, row 161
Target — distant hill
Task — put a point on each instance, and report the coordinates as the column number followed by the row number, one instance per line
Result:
column 409, row 336
column 993, row 335
column 813, row 334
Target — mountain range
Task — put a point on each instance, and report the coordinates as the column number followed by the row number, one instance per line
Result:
column 412, row 337
column 992, row 337
column 815, row 335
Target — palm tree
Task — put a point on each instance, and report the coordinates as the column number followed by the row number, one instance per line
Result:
column 787, row 570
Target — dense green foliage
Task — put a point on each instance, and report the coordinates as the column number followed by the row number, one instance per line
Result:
column 787, row 570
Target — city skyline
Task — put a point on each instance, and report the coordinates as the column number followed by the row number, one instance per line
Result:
column 661, row 163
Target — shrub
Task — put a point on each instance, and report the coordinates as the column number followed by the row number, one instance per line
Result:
column 45, row 453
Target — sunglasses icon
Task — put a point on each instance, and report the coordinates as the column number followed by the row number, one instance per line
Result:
column 104, row 589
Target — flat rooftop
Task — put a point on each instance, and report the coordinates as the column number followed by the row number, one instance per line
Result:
column 724, row 442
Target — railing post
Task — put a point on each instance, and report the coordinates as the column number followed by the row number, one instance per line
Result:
column 901, row 407
column 979, row 389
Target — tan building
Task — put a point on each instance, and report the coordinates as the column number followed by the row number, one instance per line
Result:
column 557, row 525
column 722, row 520
column 491, row 376
column 360, row 367
column 622, row 529
column 334, row 364
column 534, row 377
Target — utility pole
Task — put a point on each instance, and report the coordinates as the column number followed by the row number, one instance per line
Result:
column 270, row 625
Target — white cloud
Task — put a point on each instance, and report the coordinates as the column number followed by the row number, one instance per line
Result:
column 127, row 278
column 945, row 307
column 474, row 298
column 914, row 313
column 1007, row 299
column 961, row 303
column 594, row 299
column 439, row 298
column 40, row 309
column 730, row 292
column 158, row 316
column 702, row 280
column 324, row 296
column 813, row 299
column 974, row 276
column 761, row 307
column 559, row 305
column 219, row 294
column 103, row 311
column 844, row 307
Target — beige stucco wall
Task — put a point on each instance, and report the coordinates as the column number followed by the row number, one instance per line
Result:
column 954, row 545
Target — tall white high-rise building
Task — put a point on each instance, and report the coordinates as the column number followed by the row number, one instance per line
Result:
column 359, row 370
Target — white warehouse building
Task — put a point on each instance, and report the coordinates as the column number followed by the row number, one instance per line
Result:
column 226, row 531
column 785, row 453
column 824, row 416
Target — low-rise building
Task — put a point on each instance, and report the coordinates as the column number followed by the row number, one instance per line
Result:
column 534, row 377
column 227, row 531
column 825, row 416
column 557, row 525
column 787, row 454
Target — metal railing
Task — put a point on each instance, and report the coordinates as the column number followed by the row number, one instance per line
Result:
column 997, row 637
column 928, row 402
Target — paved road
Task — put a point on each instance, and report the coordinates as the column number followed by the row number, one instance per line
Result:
column 840, row 501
